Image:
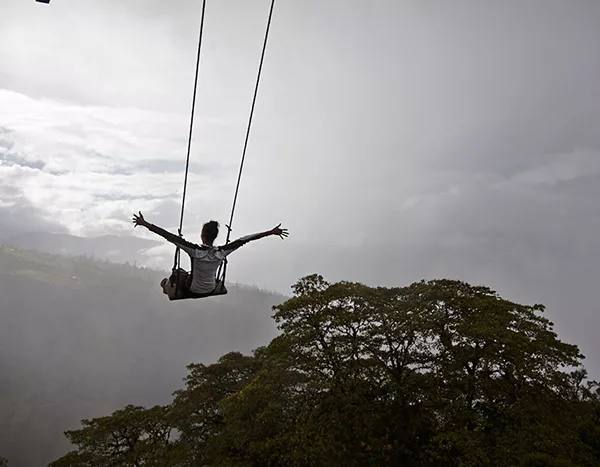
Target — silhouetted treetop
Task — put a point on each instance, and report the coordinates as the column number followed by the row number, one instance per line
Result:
column 439, row 373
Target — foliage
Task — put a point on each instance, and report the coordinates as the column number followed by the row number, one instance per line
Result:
column 130, row 436
column 438, row 373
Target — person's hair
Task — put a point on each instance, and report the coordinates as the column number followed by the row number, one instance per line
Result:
column 210, row 230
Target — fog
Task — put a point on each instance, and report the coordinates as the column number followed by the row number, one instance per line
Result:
column 81, row 338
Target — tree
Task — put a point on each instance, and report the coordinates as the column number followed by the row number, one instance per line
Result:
column 132, row 436
column 438, row 373
column 197, row 411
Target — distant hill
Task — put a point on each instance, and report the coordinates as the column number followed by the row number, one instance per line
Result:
column 119, row 249
column 80, row 337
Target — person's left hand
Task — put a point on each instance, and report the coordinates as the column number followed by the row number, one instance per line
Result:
column 281, row 233
column 138, row 219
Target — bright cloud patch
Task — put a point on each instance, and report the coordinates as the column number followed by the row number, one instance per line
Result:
column 88, row 168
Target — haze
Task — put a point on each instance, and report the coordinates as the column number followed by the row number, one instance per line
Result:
column 396, row 140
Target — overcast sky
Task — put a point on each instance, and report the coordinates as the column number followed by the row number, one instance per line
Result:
column 397, row 140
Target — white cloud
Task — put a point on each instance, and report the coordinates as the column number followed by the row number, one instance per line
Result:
column 90, row 167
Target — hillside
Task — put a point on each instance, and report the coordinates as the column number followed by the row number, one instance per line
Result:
column 80, row 337
column 119, row 249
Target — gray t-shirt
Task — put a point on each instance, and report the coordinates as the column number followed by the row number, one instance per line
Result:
column 206, row 261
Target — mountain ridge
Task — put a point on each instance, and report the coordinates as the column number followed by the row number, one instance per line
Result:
column 115, row 248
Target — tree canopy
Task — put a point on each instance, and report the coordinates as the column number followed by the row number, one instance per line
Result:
column 439, row 373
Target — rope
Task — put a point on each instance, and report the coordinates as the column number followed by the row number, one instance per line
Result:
column 189, row 143
column 262, row 57
column 248, row 128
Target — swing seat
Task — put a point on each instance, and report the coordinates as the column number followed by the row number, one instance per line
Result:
column 176, row 287
column 43, row 1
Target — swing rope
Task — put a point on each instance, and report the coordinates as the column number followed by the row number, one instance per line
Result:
column 189, row 143
column 248, row 128
column 262, row 58
column 223, row 268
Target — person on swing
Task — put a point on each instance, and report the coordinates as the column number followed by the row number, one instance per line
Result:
column 206, row 258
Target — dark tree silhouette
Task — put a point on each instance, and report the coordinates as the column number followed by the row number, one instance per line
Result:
column 439, row 373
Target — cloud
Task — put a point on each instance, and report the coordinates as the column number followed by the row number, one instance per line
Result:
column 18, row 215
column 89, row 168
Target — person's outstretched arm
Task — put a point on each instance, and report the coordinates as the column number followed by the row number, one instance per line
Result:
column 281, row 233
column 138, row 219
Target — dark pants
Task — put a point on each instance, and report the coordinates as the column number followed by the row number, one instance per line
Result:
column 177, row 286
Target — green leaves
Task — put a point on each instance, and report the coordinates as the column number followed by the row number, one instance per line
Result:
column 436, row 373
column 130, row 436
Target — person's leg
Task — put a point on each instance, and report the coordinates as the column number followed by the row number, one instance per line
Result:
column 176, row 285
column 165, row 285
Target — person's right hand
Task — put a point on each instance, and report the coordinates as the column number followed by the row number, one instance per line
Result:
column 281, row 233
column 138, row 219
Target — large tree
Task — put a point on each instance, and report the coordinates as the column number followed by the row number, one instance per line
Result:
column 439, row 373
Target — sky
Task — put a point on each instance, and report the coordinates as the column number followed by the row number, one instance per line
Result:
column 397, row 140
